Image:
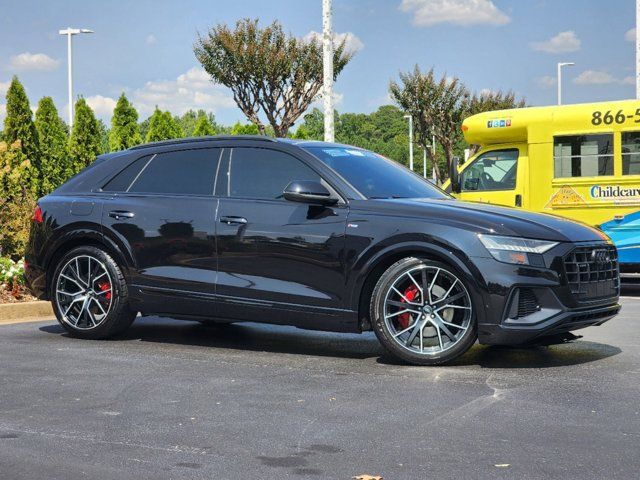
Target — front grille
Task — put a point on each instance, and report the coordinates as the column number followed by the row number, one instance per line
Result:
column 593, row 272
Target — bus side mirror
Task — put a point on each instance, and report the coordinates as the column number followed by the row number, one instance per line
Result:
column 454, row 176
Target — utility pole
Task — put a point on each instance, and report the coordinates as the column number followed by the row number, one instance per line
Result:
column 70, row 32
column 638, row 49
column 410, row 141
column 560, row 65
column 327, row 61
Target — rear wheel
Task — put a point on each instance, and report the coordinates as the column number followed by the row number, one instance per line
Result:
column 89, row 294
column 422, row 312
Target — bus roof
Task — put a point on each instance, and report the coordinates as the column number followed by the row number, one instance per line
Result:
column 540, row 124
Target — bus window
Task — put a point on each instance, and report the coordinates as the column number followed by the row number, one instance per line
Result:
column 583, row 155
column 494, row 170
column 631, row 153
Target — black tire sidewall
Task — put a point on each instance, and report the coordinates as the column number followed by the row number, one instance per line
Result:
column 384, row 336
column 118, row 315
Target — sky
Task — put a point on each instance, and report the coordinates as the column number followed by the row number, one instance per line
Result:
column 145, row 48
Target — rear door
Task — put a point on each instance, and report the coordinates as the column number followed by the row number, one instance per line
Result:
column 162, row 212
column 274, row 253
column 496, row 176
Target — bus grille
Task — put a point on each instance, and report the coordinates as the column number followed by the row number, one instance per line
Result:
column 593, row 272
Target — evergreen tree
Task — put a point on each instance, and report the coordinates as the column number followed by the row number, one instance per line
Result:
column 17, row 199
column 162, row 126
column 55, row 167
column 85, row 140
column 124, row 126
column 18, row 124
column 203, row 127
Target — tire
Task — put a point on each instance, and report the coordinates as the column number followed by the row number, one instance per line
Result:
column 89, row 294
column 399, row 311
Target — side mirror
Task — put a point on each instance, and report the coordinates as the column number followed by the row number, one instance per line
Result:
column 307, row 191
column 454, row 176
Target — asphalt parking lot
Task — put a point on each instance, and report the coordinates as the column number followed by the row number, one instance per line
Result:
column 179, row 400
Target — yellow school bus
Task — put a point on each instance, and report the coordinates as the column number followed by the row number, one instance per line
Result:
column 578, row 161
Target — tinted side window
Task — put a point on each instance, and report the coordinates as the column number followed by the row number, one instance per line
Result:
column 122, row 181
column 263, row 173
column 491, row 171
column 183, row 172
column 583, row 155
column 631, row 153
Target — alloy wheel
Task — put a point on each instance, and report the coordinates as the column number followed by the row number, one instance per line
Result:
column 84, row 292
column 427, row 310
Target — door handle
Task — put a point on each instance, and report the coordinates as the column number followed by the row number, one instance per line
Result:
column 118, row 214
column 231, row 220
column 518, row 201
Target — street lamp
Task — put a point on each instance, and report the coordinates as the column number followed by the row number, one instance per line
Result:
column 560, row 65
column 410, row 141
column 70, row 32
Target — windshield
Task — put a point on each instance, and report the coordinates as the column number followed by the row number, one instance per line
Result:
column 373, row 175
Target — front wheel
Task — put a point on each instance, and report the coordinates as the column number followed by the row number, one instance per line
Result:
column 422, row 312
column 89, row 294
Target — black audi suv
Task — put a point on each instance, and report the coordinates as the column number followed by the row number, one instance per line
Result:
column 317, row 235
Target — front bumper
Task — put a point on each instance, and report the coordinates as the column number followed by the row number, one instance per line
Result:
column 525, row 303
column 567, row 321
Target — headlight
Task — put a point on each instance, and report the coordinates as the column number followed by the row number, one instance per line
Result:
column 515, row 249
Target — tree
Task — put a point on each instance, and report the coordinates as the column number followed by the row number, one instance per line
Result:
column 17, row 199
column 124, row 126
column 85, row 143
column 203, row 127
column 437, row 107
column 55, row 166
column 162, row 126
column 301, row 133
column 18, row 124
column 267, row 71
column 248, row 129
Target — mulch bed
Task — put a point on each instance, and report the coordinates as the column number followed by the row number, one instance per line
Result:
column 18, row 295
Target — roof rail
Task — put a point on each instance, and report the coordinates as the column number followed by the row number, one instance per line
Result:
column 179, row 141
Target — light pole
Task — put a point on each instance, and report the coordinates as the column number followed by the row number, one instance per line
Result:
column 327, row 65
column 70, row 32
column 560, row 65
column 410, row 141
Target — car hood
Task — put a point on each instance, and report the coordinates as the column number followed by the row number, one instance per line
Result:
column 492, row 219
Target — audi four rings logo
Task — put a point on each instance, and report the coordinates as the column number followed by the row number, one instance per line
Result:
column 600, row 256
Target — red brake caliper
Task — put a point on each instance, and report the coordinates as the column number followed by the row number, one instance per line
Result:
column 410, row 294
column 105, row 286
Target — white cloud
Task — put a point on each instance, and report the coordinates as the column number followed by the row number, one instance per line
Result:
column 630, row 36
column 4, row 86
column 458, row 12
column 352, row 42
column 547, row 81
column 190, row 90
column 101, row 106
column 33, row 61
column 594, row 77
column 151, row 39
column 564, row 42
column 338, row 98
column 628, row 81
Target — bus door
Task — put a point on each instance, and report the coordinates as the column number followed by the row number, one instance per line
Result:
column 495, row 176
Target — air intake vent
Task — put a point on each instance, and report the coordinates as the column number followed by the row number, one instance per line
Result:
column 524, row 302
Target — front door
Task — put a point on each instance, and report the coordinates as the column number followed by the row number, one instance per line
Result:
column 494, row 177
column 163, row 213
column 274, row 253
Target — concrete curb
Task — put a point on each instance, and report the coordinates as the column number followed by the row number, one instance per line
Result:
column 25, row 312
